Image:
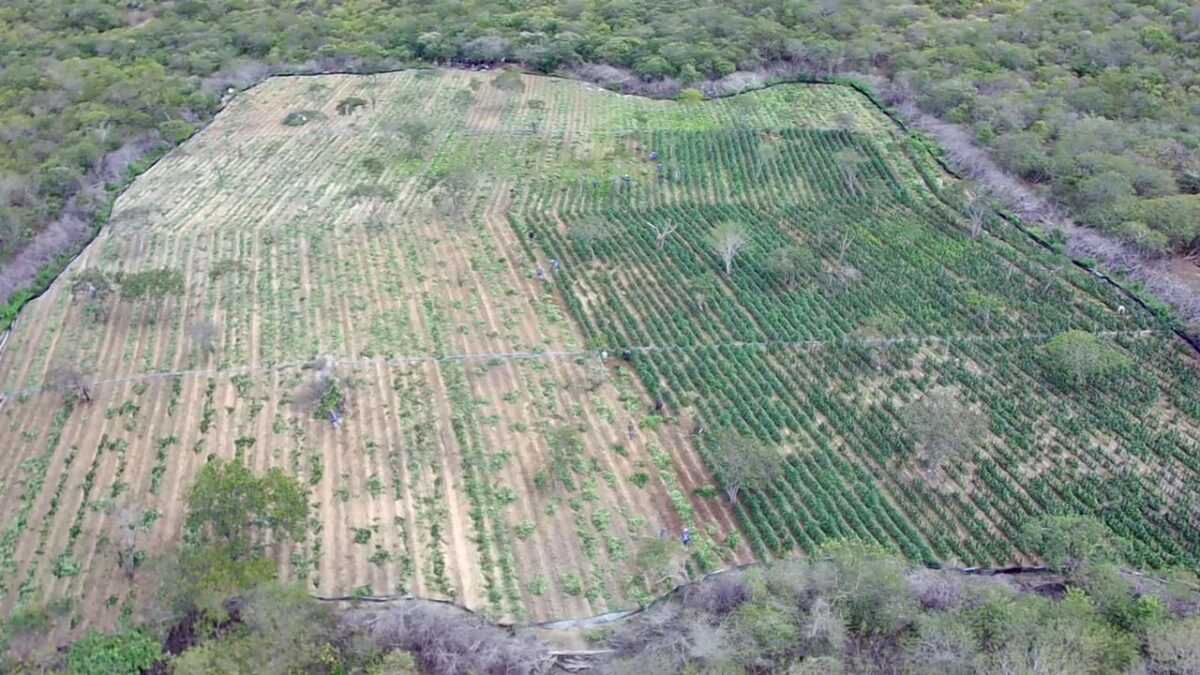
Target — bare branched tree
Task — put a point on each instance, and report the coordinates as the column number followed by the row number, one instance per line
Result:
column 372, row 86
column 788, row 262
column 766, row 154
column 844, row 240
column 729, row 239
column 203, row 336
column 453, row 191
column 977, row 210
column 662, row 231
column 129, row 521
column 588, row 232
column 91, row 288
column 849, row 161
column 703, row 290
column 69, row 380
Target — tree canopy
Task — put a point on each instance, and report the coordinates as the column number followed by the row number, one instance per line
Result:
column 1090, row 99
column 741, row 461
column 230, row 507
column 1083, row 357
column 942, row 427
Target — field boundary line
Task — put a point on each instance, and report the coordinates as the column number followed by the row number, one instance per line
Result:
column 610, row 352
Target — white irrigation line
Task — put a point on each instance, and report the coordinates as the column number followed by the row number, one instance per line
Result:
column 613, row 353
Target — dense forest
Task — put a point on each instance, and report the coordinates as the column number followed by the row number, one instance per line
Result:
column 1094, row 102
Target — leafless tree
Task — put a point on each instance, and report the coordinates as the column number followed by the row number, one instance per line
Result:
column 1051, row 279
column 103, row 129
column 454, row 190
column 136, row 219
column 729, row 239
column 843, row 241
column 129, row 521
column 92, row 287
column 839, row 274
column 597, row 373
column 977, row 210
column 703, row 290
column 372, row 86
column 766, row 154
column 587, row 232
column 316, row 92
column 203, row 336
column 935, row 590
column 1174, row 646
column 309, row 397
column 69, row 380
column 848, row 163
column 661, row 562
column 376, row 213
column 788, row 262
column 662, row 231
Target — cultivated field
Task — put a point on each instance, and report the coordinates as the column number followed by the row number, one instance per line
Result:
column 394, row 249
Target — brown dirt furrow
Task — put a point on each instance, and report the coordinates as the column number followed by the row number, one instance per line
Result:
column 546, row 552
column 462, row 564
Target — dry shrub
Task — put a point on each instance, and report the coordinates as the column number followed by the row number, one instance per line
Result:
column 310, row 395
column 936, row 591
column 449, row 640
column 717, row 596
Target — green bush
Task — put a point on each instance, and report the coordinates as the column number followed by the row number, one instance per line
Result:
column 298, row 118
column 126, row 653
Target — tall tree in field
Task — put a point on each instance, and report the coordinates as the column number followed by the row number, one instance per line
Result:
column 789, row 262
column 92, row 288
column 742, row 461
column 1082, row 356
column 232, row 509
column 129, row 523
column 728, row 240
column 453, row 191
column 509, row 82
column 660, row 562
column 703, row 290
column 942, row 427
column 203, row 336
column 416, row 133
column 662, row 231
column 372, row 85
column 71, row 381
column 587, row 233
column 849, row 163
column 766, row 154
column 151, row 287
column 971, row 199
column 977, row 210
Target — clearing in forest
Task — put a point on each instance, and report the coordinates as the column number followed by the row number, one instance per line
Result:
column 354, row 296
